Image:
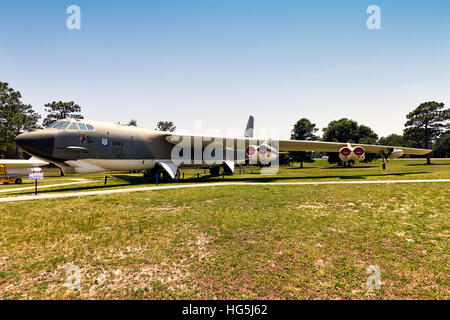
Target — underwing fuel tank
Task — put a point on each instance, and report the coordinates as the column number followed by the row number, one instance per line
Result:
column 397, row 153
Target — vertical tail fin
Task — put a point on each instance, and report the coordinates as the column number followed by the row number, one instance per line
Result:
column 249, row 129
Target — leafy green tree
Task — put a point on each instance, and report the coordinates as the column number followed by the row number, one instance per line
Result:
column 441, row 148
column 61, row 110
column 15, row 118
column 165, row 126
column 303, row 130
column 426, row 123
column 284, row 159
column 132, row 123
column 392, row 140
column 346, row 130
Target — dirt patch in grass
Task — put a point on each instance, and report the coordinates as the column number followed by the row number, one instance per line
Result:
column 283, row 242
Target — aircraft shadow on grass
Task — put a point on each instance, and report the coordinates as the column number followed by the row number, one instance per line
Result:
column 135, row 180
column 424, row 164
column 262, row 178
column 333, row 167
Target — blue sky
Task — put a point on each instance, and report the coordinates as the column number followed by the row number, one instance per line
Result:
column 219, row 61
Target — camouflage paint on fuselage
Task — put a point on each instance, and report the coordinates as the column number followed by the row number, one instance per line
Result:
column 104, row 147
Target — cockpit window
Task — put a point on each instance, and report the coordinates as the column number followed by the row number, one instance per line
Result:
column 73, row 126
column 63, row 125
column 52, row 125
column 57, row 125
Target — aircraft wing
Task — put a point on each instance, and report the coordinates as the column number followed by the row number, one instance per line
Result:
column 321, row 146
column 287, row 145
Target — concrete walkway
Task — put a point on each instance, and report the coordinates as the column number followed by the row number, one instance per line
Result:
column 202, row 185
column 78, row 181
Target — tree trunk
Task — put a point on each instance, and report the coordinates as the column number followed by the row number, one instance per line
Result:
column 301, row 164
column 17, row 147
column 427, row 144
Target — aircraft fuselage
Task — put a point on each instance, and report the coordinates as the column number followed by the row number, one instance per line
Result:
column 89, row 146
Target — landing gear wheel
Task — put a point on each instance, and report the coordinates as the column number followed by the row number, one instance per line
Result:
column 18, row 181
column 151, row 174
column 214, row 171
column 161, row 174
column 166, row 176
column 227, row 170
column 177, row 176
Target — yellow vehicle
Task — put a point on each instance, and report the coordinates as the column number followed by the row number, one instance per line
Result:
column 5, row 179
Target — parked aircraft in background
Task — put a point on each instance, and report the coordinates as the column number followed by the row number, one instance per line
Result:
column 82, row 146
column 16, row 169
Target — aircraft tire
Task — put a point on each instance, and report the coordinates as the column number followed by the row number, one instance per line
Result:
column 214, row 171
column 151, row 174
column 177, row 176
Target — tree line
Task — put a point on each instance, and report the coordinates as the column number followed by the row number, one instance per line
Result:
column 427, row 126
column 17, row 117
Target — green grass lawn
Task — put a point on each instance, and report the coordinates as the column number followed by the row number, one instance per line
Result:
column 253, row 242
column 317, row 171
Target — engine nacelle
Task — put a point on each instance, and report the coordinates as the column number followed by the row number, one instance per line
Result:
column 349, row 153
column 264, row 153
column 267, row 153
column 359, row 154
column 345, row 154
column 252, row 152
column 397, row 153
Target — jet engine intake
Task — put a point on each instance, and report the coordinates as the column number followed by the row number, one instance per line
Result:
column 267, row 153
column 252, row 152
column 359, row 154
column 345, row 154
column 349, row 153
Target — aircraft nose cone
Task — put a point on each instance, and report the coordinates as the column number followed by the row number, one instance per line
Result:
column 39, row 143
